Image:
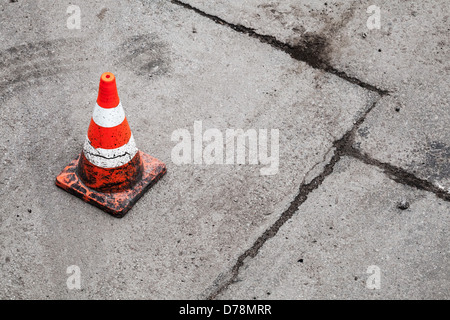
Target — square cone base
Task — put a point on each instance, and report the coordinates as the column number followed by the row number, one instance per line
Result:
column 115, row 203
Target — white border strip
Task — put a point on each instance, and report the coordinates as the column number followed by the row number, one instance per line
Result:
column 108, row 117
column 110, row 158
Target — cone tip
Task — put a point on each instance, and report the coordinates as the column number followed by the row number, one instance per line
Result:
column 107, row 77
column 107, row 93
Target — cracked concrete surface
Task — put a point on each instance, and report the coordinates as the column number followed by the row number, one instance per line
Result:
column 348, row 224
column 411, row 41
column 363, row 126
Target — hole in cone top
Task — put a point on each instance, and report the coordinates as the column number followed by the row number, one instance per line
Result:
column 107, row 92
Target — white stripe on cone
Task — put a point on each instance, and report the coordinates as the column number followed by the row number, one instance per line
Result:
column 108, row 117
column 110, row 158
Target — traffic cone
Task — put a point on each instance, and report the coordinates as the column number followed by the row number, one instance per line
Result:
column 110, row 173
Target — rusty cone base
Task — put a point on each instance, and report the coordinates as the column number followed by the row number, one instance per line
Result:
column 114, row 190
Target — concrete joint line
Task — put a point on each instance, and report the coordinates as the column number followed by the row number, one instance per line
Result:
column 399, row 175
column 308, row 53
column 339, row 147
column 342, row 147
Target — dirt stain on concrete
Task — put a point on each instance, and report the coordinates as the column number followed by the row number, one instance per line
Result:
column 313, row 49
column 102, row 13
column 145, row 55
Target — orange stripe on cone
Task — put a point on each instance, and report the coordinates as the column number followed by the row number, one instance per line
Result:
column 109, row 138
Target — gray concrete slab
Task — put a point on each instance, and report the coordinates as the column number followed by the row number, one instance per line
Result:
column 347, row 228
column 411, row 35
column 173, row 68
column 408, row 56
column 288, row 21
column 410, row 130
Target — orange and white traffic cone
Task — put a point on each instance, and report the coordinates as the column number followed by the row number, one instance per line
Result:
column 110, row 173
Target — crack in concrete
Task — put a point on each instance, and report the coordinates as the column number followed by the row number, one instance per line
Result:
column 398, row 174
column 323, row 161
column 304, row 190
column 311, row 52
column 342, row 147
